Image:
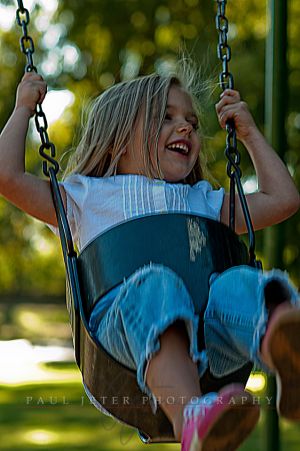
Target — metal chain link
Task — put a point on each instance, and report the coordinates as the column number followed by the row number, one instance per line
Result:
column 231, row 150
column 227, row 82
column 47, row 148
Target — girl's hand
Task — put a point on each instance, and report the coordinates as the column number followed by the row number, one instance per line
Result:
column 31, row 91
column 231, row 107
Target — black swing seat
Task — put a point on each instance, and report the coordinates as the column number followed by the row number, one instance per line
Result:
column 192, row 246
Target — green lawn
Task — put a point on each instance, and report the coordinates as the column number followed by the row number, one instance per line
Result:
column 57, row 416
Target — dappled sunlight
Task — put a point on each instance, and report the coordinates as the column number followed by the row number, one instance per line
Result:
column 48, row 5
column 131, row 66
column 250, row 185
column 47, row 438
column 7, row 17
column 30, row 320
column 21, row 362
column 44, row 246
column 8, row 12
column 52, row 36
column 42, row 322
column 167, row 36
column 41, row 437
column 41, row 243
column 56, row 102
column 256, row 382
column 41, row 319
column 71, row 55
column 53, row 65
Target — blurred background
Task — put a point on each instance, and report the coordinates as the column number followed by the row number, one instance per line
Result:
column 82, row 48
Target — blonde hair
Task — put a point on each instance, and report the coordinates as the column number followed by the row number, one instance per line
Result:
column 112, row 124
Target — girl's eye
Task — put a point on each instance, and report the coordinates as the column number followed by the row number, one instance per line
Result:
column 195, row 125
column 168, row 117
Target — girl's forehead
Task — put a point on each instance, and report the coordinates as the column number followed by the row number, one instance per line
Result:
column 178, row 96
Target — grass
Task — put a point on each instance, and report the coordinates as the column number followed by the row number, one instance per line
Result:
column 55, row 414
column 58, row 416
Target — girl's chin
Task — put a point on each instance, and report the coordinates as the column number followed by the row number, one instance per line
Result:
column 175, row 181
column 173, row 178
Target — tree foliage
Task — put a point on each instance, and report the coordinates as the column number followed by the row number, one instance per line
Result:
column 87, row 46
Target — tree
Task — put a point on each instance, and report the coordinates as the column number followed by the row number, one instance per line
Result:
column 85, row 47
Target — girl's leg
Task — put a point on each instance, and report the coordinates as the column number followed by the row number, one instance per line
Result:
column 172, row 376
column 151, row 327
column 280, row 350
column 274, row 317
column 235, row 321
column 241, row 301
column 214, row 422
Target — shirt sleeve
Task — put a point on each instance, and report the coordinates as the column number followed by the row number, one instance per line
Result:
column 206, row 201
column 76, row 188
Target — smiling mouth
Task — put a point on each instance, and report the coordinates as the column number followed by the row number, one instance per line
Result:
column 181, row 148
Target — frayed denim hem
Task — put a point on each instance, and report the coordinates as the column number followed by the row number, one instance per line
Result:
column 153, row 346
column 203, row 363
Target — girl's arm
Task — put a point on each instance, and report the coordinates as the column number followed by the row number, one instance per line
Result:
column 277, row 198
column 28, row 192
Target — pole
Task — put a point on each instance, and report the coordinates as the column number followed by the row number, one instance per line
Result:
column 276, row 88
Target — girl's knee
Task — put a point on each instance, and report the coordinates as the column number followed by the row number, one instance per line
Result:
column 153, row 272
column 156, row 281
column 235, row 290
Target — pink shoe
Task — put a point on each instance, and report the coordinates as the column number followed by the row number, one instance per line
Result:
column 220, row 424
column 281, row 348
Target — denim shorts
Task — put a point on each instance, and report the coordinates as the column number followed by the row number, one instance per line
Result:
column 130, row 318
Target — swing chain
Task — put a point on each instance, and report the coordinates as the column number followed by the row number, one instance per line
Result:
column 231, row 150
column 27, row 47
column 26, row 41
column 227, row 82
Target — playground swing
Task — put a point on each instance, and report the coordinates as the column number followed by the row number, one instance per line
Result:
column 192, row 246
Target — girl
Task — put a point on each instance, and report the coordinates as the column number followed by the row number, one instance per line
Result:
column 140, row 154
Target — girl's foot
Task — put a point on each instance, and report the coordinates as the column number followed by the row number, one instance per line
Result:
column 220, row 421
column 281, row 351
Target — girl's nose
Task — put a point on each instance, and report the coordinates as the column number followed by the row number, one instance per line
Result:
column 184, row 128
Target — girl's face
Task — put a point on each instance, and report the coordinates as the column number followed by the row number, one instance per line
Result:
column 178, row 144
